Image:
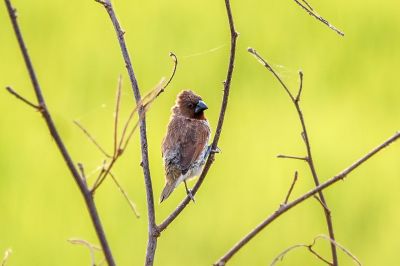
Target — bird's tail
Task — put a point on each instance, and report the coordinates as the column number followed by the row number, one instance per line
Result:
column 169, row 187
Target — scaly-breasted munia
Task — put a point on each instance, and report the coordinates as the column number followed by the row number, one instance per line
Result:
column 184, row 148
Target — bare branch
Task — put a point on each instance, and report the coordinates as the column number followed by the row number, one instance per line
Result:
column 54, row 133
column 341, row 247
column 19, row 97
column 132, row 205
column 239, row 245
column 310, row 248
column 92, row 248
column 92, row 139
column 291, row 188
column 307, row 7
column 292, row 157
column 227, row 86
column 116, row 115
column 297, row 99
column 175, row 61
column 310, row 160
column 322, row 204
column 152, row 227
column 82, row 170
column 266, row 65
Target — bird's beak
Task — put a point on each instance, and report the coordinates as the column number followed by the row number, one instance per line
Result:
column 200, row 107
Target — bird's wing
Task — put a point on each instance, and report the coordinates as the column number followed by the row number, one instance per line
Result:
column 183, row 144
column 194, row 142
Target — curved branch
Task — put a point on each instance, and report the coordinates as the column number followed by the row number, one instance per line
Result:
column 210, row 160
column 54, row 133
column 239, row 245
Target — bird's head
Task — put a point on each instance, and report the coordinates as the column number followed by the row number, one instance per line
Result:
column 190, row 105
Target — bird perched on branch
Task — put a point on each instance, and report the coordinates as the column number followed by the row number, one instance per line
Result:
column 184, row 148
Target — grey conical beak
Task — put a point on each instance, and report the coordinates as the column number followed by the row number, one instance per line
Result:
column 200, row 107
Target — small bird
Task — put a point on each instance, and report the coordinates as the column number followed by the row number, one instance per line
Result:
column 184, row 148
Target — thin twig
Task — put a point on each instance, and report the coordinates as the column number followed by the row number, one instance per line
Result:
column 131, row 204
column 92, row 248
column 54, row 133
column 341, row 247
column 281, row 255
column 210, row 160
column 82, row 170
column 116, row 114
column 310, row 161
column 19, row 97
column 175, row 60
column 297, row 99
column 92, row 139
column 322, row 204
column 307, row 7
column 291, row 188
column 292, row 157
column 310, row 248
column 239, row 245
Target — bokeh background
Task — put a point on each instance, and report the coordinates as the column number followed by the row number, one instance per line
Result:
column 350, row 101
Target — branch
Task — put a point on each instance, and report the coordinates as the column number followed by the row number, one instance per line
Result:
column 307, row 7
column 92, row 248
column 310, row 248
column 291, row 188
column 210, row 160
column 54, row 133
column 19, row 97
column 239, row 245
column 292, row 157
column 296, row 103
column 152, row 227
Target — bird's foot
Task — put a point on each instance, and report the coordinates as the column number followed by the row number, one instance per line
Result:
column 216, row 150
column 210, row 151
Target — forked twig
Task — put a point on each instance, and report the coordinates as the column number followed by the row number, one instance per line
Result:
column 304, row 134
column 283, row 209
column 310, row 248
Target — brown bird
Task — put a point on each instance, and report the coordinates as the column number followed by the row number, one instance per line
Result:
column 184, row 148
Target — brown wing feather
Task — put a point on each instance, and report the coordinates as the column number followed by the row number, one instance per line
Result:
column 184, row 142
column 194, row 143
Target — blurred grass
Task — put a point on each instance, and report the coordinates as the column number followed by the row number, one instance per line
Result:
column 350, row 102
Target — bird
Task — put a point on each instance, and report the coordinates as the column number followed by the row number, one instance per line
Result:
column 185, row 146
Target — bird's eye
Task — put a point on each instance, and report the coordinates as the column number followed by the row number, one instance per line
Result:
column 190, row 105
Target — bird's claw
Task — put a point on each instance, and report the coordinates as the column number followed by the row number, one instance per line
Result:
column 216, row 150
column 189, row 193
column 210, row 151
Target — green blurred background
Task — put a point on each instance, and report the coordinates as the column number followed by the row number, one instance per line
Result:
column 351, row 103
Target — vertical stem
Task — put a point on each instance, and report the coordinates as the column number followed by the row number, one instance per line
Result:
column 152, row 227
column 310, row 162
